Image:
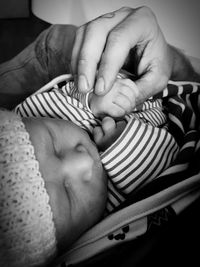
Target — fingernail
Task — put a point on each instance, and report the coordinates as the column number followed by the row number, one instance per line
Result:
column 100, row 86
column 82, row 83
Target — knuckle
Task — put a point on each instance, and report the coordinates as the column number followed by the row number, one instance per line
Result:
column 146, row 16
column 115, row 112
column 127, row 90
column 94, row 27
column 118, row 40
column 91, row 26
column 126, row 103
column 126, row 9
column 127, row 82
column 124, row 90
column 149, row 16
column 122, row 102
column 146, row 11
column 114, row 36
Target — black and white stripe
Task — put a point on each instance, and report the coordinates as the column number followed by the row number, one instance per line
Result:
column 146, row 149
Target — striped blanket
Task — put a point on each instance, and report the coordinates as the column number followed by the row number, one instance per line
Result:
column 181, row 100
column 159, row 146
column 158, row 202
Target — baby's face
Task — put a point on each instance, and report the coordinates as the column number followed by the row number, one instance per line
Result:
column 73, row 175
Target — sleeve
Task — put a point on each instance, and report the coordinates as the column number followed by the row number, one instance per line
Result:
column 65, row 85
column 138, row 156
column 59, row 99
column 37, row 64
column 71, row 89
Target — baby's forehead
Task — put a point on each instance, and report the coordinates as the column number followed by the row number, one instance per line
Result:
column 38, row 125
column 43, row 123
column 55, row 129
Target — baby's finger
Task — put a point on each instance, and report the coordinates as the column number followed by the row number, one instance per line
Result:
column 98, row 134
column 115, row 111
column 124, row 103
column 108, row 125
column 149, row 84
column 130, row 90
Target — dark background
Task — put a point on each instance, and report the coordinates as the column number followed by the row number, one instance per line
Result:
column 18, row 27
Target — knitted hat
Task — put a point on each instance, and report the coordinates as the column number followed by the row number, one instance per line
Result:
column 27, row 231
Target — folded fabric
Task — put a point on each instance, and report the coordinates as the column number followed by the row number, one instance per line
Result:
column 143, row 151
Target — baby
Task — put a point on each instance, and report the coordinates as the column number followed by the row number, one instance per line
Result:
column 56, row 182
column 53, row 187
column 134, row 148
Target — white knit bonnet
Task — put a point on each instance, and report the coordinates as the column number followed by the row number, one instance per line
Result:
column 27, row 230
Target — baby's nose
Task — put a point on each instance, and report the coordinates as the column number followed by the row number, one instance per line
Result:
column 78, row 165
column 84, row 164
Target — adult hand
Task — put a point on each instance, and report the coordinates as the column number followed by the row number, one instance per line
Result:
column 125, row 37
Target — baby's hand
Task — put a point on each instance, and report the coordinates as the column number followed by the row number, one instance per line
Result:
column 106, row 134
column 120, row 100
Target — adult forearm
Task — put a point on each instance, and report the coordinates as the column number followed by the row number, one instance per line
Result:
column 46, row 58
column 184, row 67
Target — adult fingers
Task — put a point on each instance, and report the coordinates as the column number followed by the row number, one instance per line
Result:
column 89, row 45
column 81, row 68
column 136, row 30
column 155, row 68
column 107, row 128
column 76, row 49
column 149, row 84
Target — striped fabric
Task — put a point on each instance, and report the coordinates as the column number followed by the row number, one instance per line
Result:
column 182, row 102
column 149, row 146
column 140, row 155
